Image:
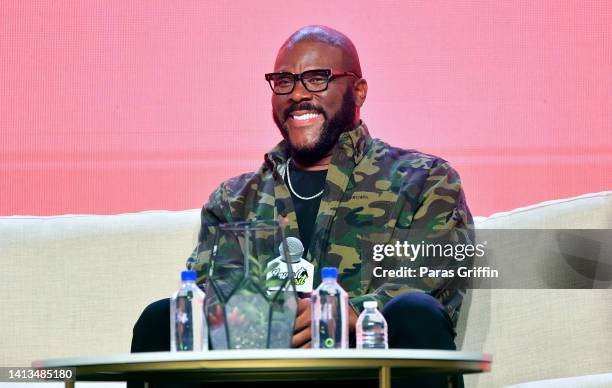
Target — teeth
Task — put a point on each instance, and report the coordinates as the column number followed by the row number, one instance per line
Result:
column 305, row 116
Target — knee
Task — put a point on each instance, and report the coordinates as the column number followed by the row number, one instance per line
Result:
column 155, row 312
column 414, row 306
column 417, row 320
column 152, row 329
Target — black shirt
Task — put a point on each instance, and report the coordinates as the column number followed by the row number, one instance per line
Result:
column 306, row 184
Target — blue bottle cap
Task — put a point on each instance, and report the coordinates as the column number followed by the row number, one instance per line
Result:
column 188, row 276
column 329, row 272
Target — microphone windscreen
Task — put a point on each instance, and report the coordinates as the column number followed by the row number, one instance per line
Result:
column 295, row 247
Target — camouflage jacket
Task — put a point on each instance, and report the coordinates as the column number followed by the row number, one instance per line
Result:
column 374, row 194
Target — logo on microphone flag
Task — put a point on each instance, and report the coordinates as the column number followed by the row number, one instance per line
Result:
column 303, row 272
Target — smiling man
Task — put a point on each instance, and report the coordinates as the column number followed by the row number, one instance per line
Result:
column 342, row 192
column 310, row 114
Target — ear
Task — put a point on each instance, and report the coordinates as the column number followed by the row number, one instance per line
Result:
column 360, row 88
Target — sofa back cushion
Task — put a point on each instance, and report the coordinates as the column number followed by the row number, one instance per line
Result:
column 541, row 333
column 75, row 285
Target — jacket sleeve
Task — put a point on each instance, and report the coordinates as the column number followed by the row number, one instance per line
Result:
column 216, row 211
column 438, row 214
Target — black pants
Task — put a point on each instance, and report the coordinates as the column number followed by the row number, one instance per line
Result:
column 415, row 320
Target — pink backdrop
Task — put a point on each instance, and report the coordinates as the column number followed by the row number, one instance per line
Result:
column 121, row 106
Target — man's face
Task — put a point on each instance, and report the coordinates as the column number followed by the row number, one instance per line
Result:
column 312, row 122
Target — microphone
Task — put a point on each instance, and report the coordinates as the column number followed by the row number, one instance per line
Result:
column 303, row 270
column 296, row 248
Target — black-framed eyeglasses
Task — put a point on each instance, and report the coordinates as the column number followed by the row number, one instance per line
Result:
column 313, row 80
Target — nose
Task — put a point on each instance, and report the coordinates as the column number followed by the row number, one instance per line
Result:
column 300, row 93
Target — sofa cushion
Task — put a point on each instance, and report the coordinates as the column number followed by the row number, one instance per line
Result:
column 588, row 211
column 542, row 333
column 75, row 285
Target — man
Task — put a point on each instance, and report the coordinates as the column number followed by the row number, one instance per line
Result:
column 343, row 192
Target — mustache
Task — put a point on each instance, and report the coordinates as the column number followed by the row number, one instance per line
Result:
column 302, row 106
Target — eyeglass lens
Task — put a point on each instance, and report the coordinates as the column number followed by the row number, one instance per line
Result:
column 313, row 81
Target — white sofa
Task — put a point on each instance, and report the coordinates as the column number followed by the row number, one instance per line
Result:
column 542, row 333
column 75, row 284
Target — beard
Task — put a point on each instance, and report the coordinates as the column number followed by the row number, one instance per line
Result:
column 331, row 129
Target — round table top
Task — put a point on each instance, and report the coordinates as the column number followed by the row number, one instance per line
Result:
column 224, row 365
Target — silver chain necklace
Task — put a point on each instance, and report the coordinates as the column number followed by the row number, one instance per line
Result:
column 293, row 191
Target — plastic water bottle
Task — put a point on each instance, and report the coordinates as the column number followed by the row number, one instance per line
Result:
column 187, row 320
column 371, row 328
column 329, row 312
